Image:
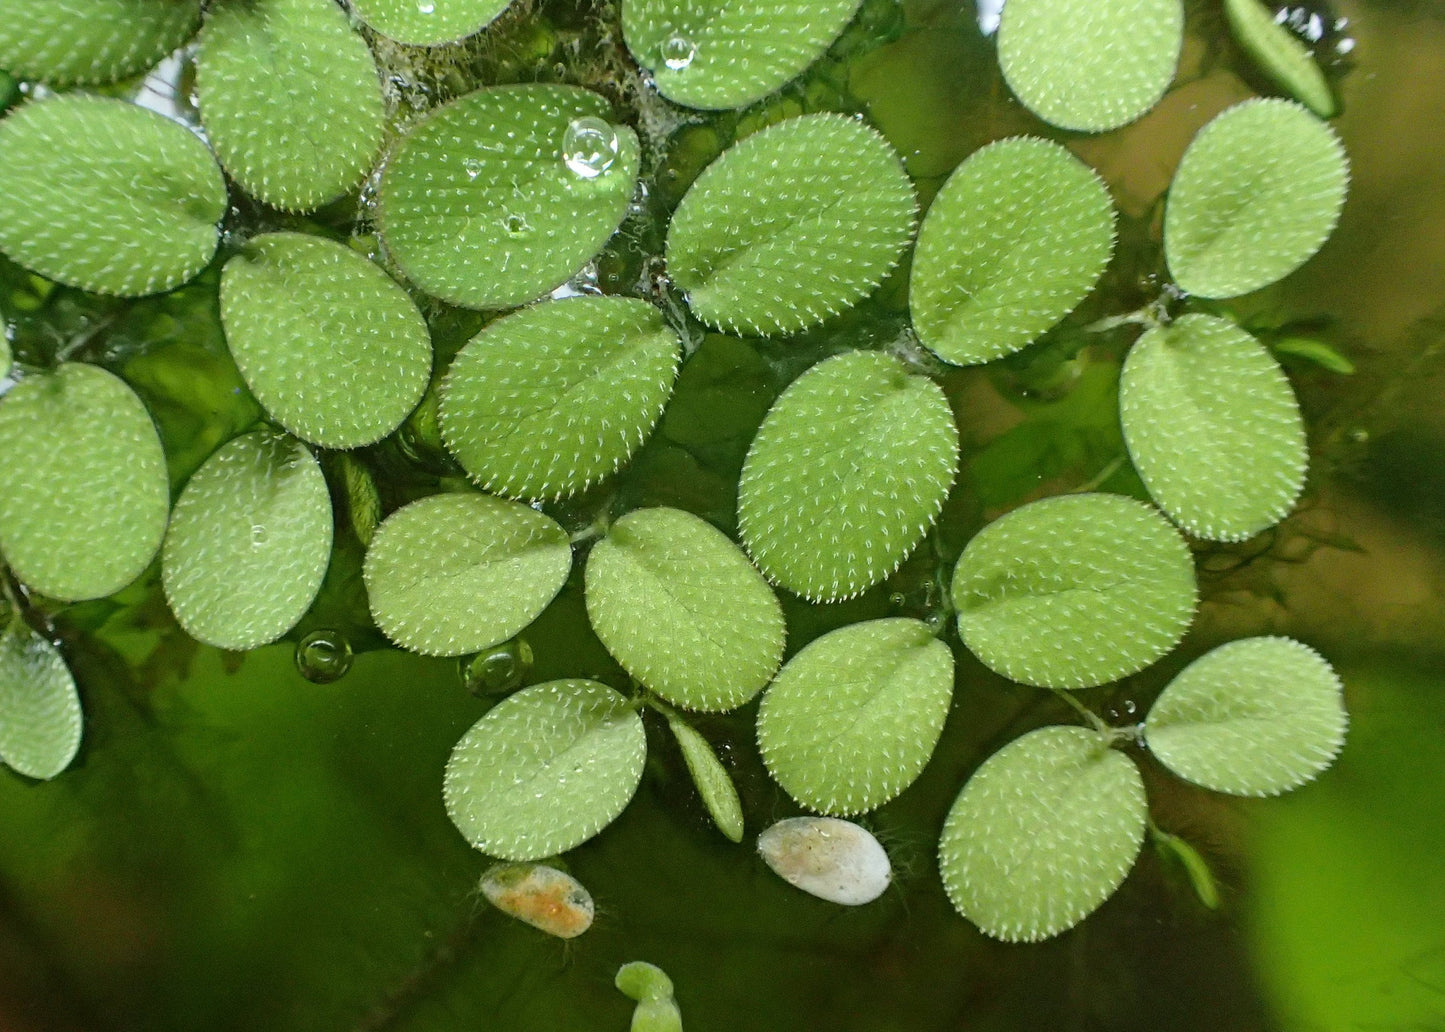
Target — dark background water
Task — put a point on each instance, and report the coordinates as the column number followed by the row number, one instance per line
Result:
column 238, row 848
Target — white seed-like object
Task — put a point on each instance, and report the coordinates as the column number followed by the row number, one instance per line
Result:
column 830, row 858
column 549, row 900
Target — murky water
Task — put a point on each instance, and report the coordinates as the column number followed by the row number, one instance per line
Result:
column 241, row 848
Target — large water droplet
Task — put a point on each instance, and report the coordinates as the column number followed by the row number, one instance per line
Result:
column 258, row 535
column 496, row 671
column 323, row 656
column 678, row 51
column 589, row 146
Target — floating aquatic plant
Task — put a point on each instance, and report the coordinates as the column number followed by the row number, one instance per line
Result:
column 290, row 98
column 107, row 196
column 40, row 719
column 648, row 984
column 790, row 226
column 428, row 22
column 66, row 42
column 1281, row 56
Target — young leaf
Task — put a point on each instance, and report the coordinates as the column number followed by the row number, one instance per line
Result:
column 1212, row 427
column 1045, row 831
column 852, row 719
column 790, row 226
column 1257, row 193
column 549, row 900
column 107, row 196
column 1283, row 58
column 545, row 769
column 1082, row 64
column 457, row 573
column 428, row 22
column 6, row 359
column 1316, row 351
column 249, row 542
column 1074, row 591
column 551, row 399
column 837, row 861
column 501, row 195
column 718, row 792
column 656, row 1009
column 727, row 55
column 846, row 474
column 1017, row 237
column 683, row 611
column 69, row 42
column 331, row 346
column 1254, row 717
column 290, row 98
column 40, row 719
column 84, row 493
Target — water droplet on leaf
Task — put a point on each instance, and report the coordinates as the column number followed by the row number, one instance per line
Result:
column 589, row 146
column 323, row 656
column 678, row 51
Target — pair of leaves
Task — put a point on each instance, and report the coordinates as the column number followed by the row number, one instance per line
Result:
column 249, row 542
column 1049, row 826
column 853, row 718
column 1016, row 238
column 40, row 718
column 545, row 769
column 681, row 608
column 333, row 348
column 1080, row 64
column 791, row 226
column 428, row 22
column 551, row 399
column 649, row 985
column 453, row 574
column 501, row 195
column 107, row 196
column 1074, row 591
column 71, row 42
column 846, row 474
column 84, row 494
column 727, row 55
column 291, row 99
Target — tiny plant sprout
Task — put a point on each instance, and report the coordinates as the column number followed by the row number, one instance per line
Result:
column 649, row 985
column 833, row 859
column 549, row 900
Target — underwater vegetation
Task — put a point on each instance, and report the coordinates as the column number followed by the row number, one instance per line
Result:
column 444, row 382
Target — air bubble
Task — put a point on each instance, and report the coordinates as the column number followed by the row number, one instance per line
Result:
column 589, row 146
column 496, row 671
column 258, row 535
column 678, row 51
column 323, row 656
column 473, row 167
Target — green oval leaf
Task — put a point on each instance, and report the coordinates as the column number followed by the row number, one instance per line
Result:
column 714, row 785
column 1283, row 58
column 545, row 769
column 790, row 226
column 290, row 98
column 66, row 42
column 551, row 399
column 1257, row 193
column 846, row 474
column 107, row 196
column 852, row 720
column 1017, row 237
column 1042, row 834
column 1254, row 717
column 683, row 611
column 458, row 573
column 1074, row 591
column 1213, row 428
column 1082, row 64
column 84, row 493
column 328, row 343
column 249, row 542
column 727, row 55
column 428, row 22
column 501, row 195
column 40, row 719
